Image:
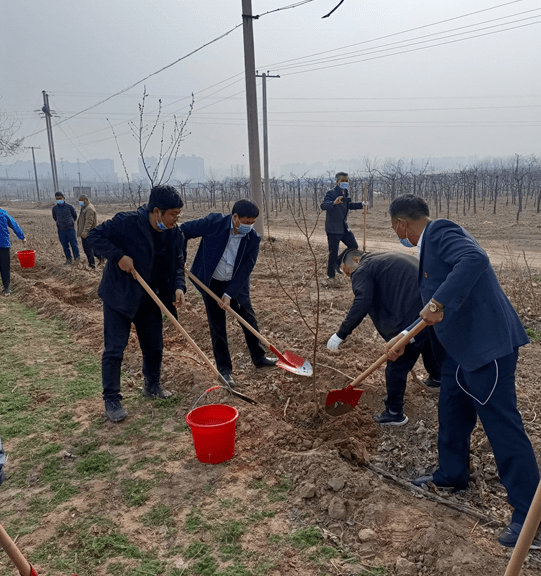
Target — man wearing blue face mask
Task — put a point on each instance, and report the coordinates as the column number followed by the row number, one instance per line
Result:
column 88, row 220
column 65, row 217
column 224, row 261
column 150, row 242
column 337, row 203
column 480, row 332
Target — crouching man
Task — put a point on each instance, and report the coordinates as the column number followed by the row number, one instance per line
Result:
column 385, row 288
column 150, row 242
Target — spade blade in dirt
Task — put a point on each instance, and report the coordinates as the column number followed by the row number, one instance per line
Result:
column 340, row 402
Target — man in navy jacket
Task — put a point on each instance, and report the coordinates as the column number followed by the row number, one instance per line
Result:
column 385, row 288
column 337, row 203
column 225, row 259
column 481, row 333
column 65, row 217
column 150, row 242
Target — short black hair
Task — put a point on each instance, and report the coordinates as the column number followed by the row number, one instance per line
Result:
column 59, row 195
column 409, row 206
column 340, row 174
column 164, row 198
column 245, row 209
column 348, row 255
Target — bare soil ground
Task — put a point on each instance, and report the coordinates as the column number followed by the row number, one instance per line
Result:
column 345, row 473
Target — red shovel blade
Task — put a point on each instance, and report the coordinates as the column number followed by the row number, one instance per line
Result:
column 292, row 363
column 342, row 401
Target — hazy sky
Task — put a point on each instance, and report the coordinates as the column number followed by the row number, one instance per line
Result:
column 383, row 78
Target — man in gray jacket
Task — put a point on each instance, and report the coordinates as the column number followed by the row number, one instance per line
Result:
column 337, row 203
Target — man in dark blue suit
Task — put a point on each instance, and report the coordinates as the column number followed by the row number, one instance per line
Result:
column 337, row 203
column 150, row 242
column 480, row 333
column 224, row 261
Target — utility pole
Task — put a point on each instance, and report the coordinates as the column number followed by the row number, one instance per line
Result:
column 265, row 138
column 35, row 171
column 79, row 172
column 251, row 106
column 47, row 111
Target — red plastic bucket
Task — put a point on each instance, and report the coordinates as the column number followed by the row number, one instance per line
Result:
column 213, row 432
column 27, row 258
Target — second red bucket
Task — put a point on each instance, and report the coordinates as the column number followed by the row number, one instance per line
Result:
column 213, row 431
column 27, row 258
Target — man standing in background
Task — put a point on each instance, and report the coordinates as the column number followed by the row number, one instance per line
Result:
column 87, row 220
column 337, row 203
column 65, row 217
column 7, row 222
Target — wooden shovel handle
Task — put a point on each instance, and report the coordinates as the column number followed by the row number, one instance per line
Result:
column 239, row 318
column 364, row 210
column 177, row 325
column 527, row 534
column 402, row 342
column 14, row 553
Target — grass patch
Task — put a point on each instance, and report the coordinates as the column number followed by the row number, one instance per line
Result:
column 533, row 335
column 96, row 464
column 306, row 537
column 159, row 515
column 136, row 492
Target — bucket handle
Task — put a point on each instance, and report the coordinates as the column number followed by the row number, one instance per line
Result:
column 206, row 392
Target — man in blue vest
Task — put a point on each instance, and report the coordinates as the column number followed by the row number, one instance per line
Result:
column 337, row 203
column 224, row 261
column 480, row 333
column 147, row 241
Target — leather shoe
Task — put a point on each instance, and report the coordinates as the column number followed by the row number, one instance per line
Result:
column 266, row 362
column 229, row 380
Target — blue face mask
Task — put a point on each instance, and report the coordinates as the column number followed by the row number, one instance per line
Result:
column 344, row 185
column 405, row 242
column 60, row 201
column 245, row 228
column 81, row 203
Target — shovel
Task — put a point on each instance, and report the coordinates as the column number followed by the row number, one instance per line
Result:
column 200, row 352
column 22, row 565
column 342, row 401
column 288, row 361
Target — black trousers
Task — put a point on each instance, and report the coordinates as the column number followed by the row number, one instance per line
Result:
column 89, row 251
column 493, row 386
column 218, row 331
column 334, row 241
column 396, row 373
column 4, row 268
column 116, row 331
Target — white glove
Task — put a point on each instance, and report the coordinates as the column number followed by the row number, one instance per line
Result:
column 334, row 342
column 365, row 204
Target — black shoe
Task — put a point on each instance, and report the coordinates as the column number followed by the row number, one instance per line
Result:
column 265, row 362
column 432, row 385
column 114, row 410
column 7, row 292
column 229, row 380
column 68, row 262
column 93, row 266
column 157, row 392
column 388, row 419
column 510, row 534
column 430, row 478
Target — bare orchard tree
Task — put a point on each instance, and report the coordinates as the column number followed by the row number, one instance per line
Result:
column 9, row 145
column 170, row 137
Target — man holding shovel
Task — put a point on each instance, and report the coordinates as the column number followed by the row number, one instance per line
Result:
column 150, row 242
column 385, row 288
column 224, row 261
column 480, row 333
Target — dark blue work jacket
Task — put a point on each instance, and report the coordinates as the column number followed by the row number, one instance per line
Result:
column 337, row 214
column 214, row 232
column 129, row 234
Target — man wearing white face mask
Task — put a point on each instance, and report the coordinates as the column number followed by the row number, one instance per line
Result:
column 337, row 203
column 224, row 261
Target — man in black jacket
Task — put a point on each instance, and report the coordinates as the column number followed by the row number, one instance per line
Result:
column 385, row 288
column 150, row 242
column 337, row 203
column 65, row 217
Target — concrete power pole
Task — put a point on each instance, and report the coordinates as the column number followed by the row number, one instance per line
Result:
column 47, row 111
column 251, row 105
column 35, row 171
column 266, row 139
